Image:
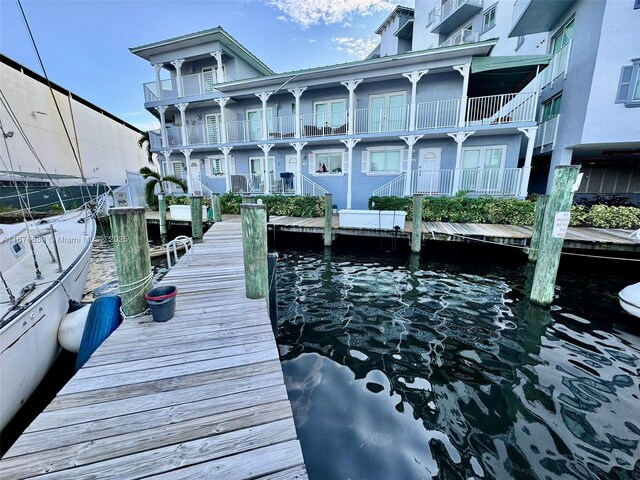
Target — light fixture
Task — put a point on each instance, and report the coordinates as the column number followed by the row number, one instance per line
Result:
column 7, row 134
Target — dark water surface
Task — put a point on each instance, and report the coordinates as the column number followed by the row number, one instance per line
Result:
column 401, row 368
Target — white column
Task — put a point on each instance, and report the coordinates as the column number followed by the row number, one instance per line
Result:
column 464, row 71
column 264, row 96
column 223, row 123
column 459, row 137
column 297, row 93
column 167, row 171
column 350, row 143
column 227, row 167
column 265, row 147
column 410, row 141
column 187, row 156
column 414, row 78
column 183, row 122
column 298, row 147
column 351, row 86
column 530, row 133
column 158, row 67
column 219, row 73
column 163, row 125
column 178, row 66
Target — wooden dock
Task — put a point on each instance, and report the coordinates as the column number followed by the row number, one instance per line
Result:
column 200, row 396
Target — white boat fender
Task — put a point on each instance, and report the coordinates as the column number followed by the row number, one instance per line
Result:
column 71, row 328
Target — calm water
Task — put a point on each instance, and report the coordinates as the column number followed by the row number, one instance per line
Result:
column 401, row 369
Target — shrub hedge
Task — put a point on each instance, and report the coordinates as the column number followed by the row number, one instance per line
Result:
column 505, row 211
column 278, row 205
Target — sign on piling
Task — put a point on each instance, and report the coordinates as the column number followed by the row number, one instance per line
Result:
column 560, row 200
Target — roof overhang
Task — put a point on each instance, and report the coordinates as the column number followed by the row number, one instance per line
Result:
column 507, row 74
column 539, row 16
column 399, row 9
column 406, row 30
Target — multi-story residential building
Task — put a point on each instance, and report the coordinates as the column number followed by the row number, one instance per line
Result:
column 472, row 95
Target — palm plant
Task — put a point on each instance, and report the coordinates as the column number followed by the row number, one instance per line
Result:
column 144, row 139
column 154, row 178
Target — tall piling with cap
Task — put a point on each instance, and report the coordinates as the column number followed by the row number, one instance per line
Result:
column 328, row 219
column 556, row 221
column 416, row 232
column 534, row 244
column 217, row 208
column 162, row 209
column 254, row 246
column 196, row 218
column 133, row 265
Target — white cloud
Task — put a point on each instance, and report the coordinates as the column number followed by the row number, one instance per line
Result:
column 312, row 40
column 282, row 18
column 146, row 126
column 357, row 47
column 312, row 12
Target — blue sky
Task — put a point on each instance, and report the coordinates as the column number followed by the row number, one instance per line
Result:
column 84, row 43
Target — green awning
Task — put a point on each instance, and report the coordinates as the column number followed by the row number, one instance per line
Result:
column 508, row 74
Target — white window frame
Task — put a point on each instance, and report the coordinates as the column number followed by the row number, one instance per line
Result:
column 271, row 162
column 173, row 164
column 334, row 151
column 330, row 112
column 489, row 11
column 632, row 85
column 371, row 150
column 559, row 32
column 209, row 166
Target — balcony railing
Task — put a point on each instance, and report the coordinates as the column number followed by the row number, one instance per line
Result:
column 192, row 84
column 501, row 109
column 461, row 37
column 490, row 181
column 440, row 114
column 282, row 127
column 383, row 119
column 557, row 66
column 324, row 124
column 546, row 135
column 432, row 182
column 452, row 13
column 247, row 183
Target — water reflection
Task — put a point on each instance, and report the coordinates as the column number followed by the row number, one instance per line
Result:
column 402, row 370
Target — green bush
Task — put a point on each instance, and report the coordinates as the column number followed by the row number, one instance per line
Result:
column 184, row 200
column 290, row 206
column 509, row 211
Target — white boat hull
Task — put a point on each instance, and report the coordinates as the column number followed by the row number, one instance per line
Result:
column 29, row 343
column 630, row 299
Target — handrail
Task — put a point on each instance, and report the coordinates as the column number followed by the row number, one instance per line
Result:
column 311, row 188
column 186, row 242
column 394, row 188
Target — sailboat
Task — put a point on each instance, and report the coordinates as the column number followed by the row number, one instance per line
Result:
column 43, row 266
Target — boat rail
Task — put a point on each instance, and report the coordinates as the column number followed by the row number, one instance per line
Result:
column 172, row 246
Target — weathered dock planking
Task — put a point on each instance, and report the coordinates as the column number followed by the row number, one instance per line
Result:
column 200, row 396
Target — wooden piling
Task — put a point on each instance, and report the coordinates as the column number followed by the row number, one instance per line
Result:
column 534, row 244
column 162, row 209
column 416, row 232
column 217, row 208
column 551, row 241
column 131, row 245
column 272, row 298
column 254, row 245
column 328, row 219
column 196, row 218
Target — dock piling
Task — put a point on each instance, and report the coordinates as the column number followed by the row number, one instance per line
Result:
column 272, row 262
column 254, row 246
column 162, row 209
column 196, row 218
column 416, row 232
column 534, row 244
column 328, row 219
column 217, row 208
column 131, row 245
column 556, row 220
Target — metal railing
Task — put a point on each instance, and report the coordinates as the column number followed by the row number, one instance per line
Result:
column 490, row 181
column 323, row 124
column 383, row 119
column 311, row 188
column 557, row 66
column 450, row 7
column 247, row 183
column 283, row 183
column 438, row 114
column 461, row 37
column 282, row 127
column 432, row 182
column 500, row 109
column 394, row 188
column 546, row 134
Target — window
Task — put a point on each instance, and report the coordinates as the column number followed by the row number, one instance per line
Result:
column 176, row 169
column 482, row 168
column 562, row 37
column 551, row 108
column 385, row 160
column 327, row 162
column 387, row 112
column 629, row 85
column 330, row 113
column 489, row 19
column 215, row 166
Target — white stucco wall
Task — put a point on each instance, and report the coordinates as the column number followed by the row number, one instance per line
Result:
column 107, row 148
column 607, row 121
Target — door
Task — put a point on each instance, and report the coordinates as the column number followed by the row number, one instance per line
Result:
column 257, row 172
column 214, row 124
column 482, row 169
column 291, row 171
column 194, row 172
column 208, row 79
column 429, row 174
column 254, row 123
column 387, row 112
column 330, row 114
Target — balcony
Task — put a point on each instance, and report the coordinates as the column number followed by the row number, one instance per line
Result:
column 502, row 109
column 452, row 13
column 381, row 120
column 440, row 114
column 536, row 16
column 546, row 135
column 461, row 37
column 557, row 66
column 192, row 85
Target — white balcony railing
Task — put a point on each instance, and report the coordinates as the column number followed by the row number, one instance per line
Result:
column 557, row 66
column 324, row 124
column 394, row 188
column 546, row 135
column 461, row 37
column 432, row 182
column 247, row 183
column 440, row 114
column 490, row 181
column 174, row 136
column 383, row 119
column 309, row 187
column 283, row 183
column 282, row 127
column 155, row 137
column 451, row 6
column 500, row 109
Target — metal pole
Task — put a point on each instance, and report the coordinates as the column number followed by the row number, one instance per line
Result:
column 328, row 219
column 196, row 218
column 254, row 245
column 416, row 232
column 534, row 245
column 552, row 235
column 55, row 248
